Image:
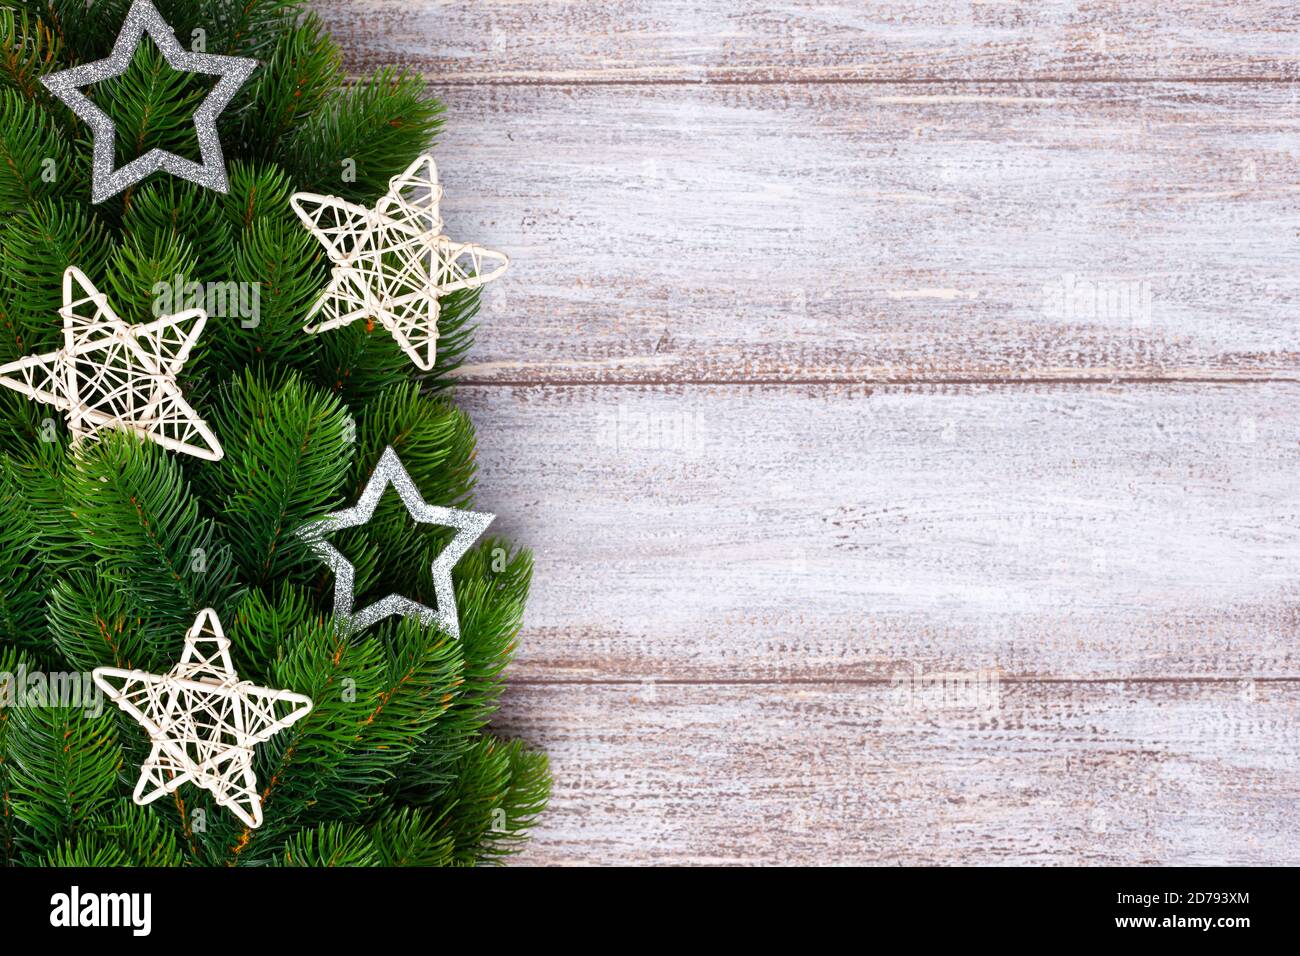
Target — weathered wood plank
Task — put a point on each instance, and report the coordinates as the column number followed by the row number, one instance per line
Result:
column 594, row 41
column 1015, row 773
column 830, row 532
column 848, row 233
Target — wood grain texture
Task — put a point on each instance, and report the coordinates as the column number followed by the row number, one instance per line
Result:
column 1060, row 773
column 848, row 233
column 830, row 532
column 901, row 400
column 735, row 41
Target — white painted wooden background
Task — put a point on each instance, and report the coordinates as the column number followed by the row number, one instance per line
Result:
column 787, row 392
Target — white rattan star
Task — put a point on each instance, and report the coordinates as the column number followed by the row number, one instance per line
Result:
column 469, row 526
column 141, row 19
column 203, row 721
column 113, row 375
column 392, row 264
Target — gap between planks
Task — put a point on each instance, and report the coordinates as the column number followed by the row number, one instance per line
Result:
column 882, row 382
column 562, row 83
column 881, row 681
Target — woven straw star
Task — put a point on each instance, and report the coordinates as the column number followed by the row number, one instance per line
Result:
column 113, row 375
column 203, row 721
column 392, row 264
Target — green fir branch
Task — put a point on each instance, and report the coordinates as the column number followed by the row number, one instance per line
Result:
column 108, row 552
column 63, row 767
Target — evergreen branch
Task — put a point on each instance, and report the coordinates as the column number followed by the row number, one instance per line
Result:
column 92, row 625
column 232, row 27
column 63, row 767
column 379, row 697
column 408, row 836
column 106, row 554
column 286, row 461
column 38, row 470
column 85, row 29
column 130, row 503
column 308, row 762
column 22, row 577
column 152, row 107
column 329, row 845
column 170, row 212
column 303, row 70
column 28, row 51
column 10, row 662
column 499, row 790
column 455, row 338
column 422, row 671
column 35, row 160
column 138, row 272
column 39, row 245
column 283, row 263
column 257, row 192
column 435, row 441
column 360, row 361
column 363, row 136
column 491, row 590
column 128, row 835
column 524, row 800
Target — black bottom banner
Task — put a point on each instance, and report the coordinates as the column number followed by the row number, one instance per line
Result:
column 1224, row 906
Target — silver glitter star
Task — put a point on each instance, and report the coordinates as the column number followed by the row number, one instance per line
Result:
column 144, row 18
column 469, row 526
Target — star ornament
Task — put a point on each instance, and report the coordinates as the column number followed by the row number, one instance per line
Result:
column 110, row 375
column 392, row 264
column 203, row 721
column 469, row 526
column 141, row 19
